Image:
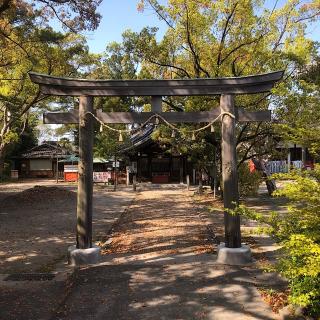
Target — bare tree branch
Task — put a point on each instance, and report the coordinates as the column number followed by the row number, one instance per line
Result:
column 282, row 33
column 15, row 42
column 197, row 64
column 161, row 15
column 171, row 66
column 240, row 46
column 243, row 129
column 58, row 17
column 223, row 37
column 308, row 17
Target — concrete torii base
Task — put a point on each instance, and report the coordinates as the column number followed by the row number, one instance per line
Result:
column 78, row 257
column 234, row 256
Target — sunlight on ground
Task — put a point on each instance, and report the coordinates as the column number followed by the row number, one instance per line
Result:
column 20, row 257
column 159, row 301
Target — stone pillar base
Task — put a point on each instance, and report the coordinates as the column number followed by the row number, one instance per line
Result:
column 78, row 257
column 234, row 256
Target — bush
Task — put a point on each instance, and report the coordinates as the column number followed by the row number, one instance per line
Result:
column 248, row 181
column 298, row 232
column 301, row 267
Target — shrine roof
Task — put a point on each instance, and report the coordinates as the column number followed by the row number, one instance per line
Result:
column 46, row 150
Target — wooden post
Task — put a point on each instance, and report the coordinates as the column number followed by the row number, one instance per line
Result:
column 229, row 173
column 85, row 183
column 303, row 156
column 214, row 173
column 127, row 176
column 200, row 181
column 188, row 181
column 134, row 182
column 57, row 170
column 115, row 182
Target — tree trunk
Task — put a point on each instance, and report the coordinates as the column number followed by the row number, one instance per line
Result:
column 2, row 157
column 200, row 183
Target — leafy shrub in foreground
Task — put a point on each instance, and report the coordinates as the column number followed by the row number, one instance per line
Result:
column 298, row 230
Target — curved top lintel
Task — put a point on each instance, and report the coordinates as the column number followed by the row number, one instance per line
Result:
column 183, row 87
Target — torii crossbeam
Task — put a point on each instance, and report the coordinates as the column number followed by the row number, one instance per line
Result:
column 88, row 89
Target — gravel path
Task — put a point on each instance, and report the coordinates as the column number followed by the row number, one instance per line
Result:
column 159, row 223
column 160, row 265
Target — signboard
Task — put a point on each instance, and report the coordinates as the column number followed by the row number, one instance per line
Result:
column 114, row 164
column 101, row 176
column 70, row 173
column 70, row 168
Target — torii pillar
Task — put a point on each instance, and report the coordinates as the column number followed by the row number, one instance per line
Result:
column 232, row 251
column 229, row 172
column 85, row 171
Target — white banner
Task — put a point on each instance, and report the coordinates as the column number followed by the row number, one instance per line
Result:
column 101, row 176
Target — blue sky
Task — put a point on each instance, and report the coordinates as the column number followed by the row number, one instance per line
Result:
column 118, row 16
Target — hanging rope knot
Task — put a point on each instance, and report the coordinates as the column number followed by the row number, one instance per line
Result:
column 227, row 114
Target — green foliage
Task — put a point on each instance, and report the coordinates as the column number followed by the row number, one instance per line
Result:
column 207, row 39
column 107, row 144
column 301, row 266
column 248, row 181
column 74, row 15
column 116, row 63
column 298, row 231
column 10, row 137
column 28, row 43
column 298, row 109
column 303, row 215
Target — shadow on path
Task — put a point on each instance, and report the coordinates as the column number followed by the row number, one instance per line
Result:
column 160, row 266
column 181, row 291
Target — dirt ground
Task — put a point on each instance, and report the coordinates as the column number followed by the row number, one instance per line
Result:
column 158, row 259
column 38, row 221
column 173, row 227
column 159, row 263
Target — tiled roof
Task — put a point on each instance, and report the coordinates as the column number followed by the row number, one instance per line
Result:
column 46, row 150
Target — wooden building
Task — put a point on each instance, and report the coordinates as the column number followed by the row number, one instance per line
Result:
column 41, row 161
column 152, row 163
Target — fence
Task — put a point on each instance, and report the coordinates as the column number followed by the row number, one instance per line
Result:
column 282, row 166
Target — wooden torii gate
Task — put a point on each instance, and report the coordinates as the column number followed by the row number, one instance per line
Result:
column 88, row 89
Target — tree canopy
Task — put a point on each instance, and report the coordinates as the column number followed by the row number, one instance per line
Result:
column 74, row 15
column 28, row 43
column 203, row 39
column 229, row 38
